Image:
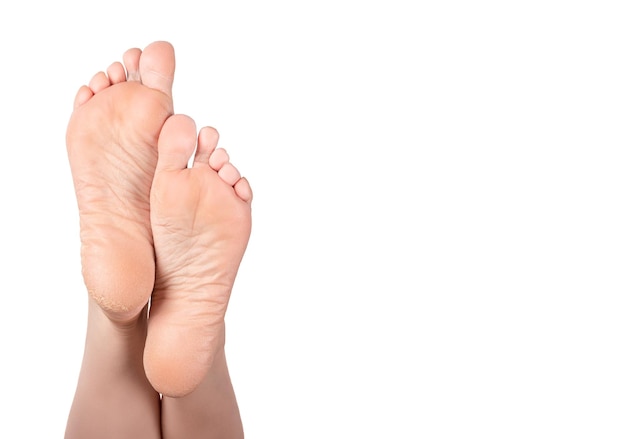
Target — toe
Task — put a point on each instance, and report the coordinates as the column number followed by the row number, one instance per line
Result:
column 243, row 190
column 177, row 142
column 83, row 95
column 207, row 142
column 218, row 158
column 156, row 67
column 116, row 73
column 99, row 82
column 229, row 174
column 131, row 62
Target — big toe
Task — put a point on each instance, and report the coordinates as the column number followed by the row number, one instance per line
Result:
column 157, row 65
column 177, row 142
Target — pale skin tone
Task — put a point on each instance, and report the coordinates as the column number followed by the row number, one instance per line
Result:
column 153, row 228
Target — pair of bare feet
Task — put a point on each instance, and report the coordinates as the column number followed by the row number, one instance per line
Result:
column 153, row 229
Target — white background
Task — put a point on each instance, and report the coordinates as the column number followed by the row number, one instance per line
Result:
column 438, row 248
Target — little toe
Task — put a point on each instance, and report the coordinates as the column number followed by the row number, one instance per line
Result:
column 131, row 62
column 116, row 73
column 229, row 174
column 243, row 190
column 156, row 66
column 83, row 95
column 207, row 142
column 218, row 158
column 177, row 142
column 99, row 82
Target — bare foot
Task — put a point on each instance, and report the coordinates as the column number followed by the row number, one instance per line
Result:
column 111, row 143
column 201, row 225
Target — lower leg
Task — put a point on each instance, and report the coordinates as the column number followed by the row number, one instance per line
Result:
column 113, row 397
column 210, row 411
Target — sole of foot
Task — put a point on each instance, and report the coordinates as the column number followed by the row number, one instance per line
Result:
column 112, row 148
column 201, row 223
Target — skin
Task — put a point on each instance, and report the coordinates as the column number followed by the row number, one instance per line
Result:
column 111, row 144
column 137, row 200
column 201, row 225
